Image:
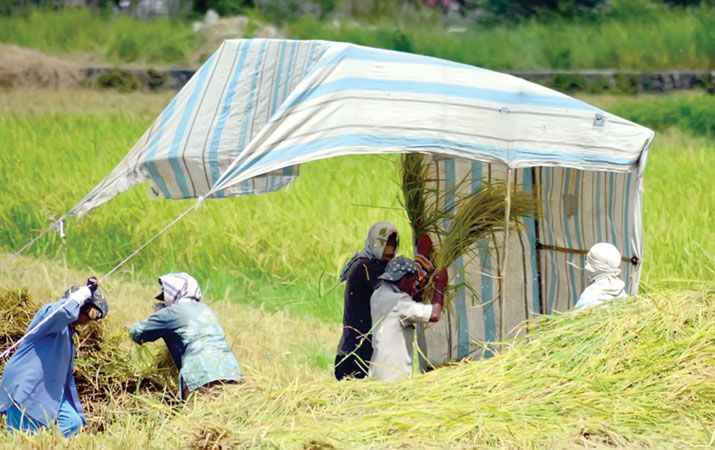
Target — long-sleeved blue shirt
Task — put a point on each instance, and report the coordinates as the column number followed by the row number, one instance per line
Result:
column 195, row 340
column 40, row 371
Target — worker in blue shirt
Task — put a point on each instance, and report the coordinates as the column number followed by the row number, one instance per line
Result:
column 192, row 333
column 38, row 389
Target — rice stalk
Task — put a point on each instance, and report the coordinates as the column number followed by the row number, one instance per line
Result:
column 420, row 195
column 478, row 216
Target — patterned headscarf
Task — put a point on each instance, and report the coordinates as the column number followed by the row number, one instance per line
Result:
column 374, row 245
column 179, row 288
column 398, row 267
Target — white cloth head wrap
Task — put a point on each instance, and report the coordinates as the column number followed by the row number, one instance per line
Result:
column 180, row 288
column 603, row 260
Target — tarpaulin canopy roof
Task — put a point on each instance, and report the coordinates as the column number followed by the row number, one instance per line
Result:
column 259, row 107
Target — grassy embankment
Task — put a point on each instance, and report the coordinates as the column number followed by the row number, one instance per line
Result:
column 284, row 250
column 655, row 39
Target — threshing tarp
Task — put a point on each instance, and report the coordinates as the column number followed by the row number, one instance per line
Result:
column 259, row 107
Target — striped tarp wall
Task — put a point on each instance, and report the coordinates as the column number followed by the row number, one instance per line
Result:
column 578, row 209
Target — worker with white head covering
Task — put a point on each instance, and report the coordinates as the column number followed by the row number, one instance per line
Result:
column 603, row 266
column 192, row 333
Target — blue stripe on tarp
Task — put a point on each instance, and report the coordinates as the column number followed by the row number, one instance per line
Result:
column 430, row 88
column 487, row 290
column 461, row 306
column 530, row 222
column 149, row 163
column 250, row 103
column 577, row 227
column 277, row 80
column 485, row 262
column 569, row 242
column 548, row 172
column 174, row 158
column 611, row 218
column 279, row 155
column 358, row 53
column 599, row 207
column 309, row 58
column 225, row 109
column 450, row 177
column 282, row 91
column 626, row 232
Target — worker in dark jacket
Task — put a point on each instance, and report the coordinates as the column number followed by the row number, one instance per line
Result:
column 38, row 389
column 361, row 279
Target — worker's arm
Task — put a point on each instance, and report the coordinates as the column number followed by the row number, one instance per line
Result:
column 410, row 311
column 156, row 326
column 440, row 280
column 57, row 316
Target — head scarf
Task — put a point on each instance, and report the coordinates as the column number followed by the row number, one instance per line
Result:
column 374, row 245
column 397, row 268
column 603, row 260
column 179, row 288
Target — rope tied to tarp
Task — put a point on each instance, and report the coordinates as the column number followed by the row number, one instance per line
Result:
column 194, row 206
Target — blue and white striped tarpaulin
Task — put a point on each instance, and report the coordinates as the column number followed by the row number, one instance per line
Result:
column 259, row 108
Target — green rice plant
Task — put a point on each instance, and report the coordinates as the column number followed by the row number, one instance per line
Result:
column 677, row 38
column 99, row 36
column 283, row 250
column 420, row 195
column 669, row 39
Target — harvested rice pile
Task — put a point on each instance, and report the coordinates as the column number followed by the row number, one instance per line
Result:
column 637, row 374
column 640, row 373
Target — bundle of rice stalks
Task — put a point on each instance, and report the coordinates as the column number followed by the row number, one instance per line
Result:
column 478, row 216
column 17, row 308
column 420, row 195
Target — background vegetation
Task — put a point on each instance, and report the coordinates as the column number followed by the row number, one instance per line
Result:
column 641, row 35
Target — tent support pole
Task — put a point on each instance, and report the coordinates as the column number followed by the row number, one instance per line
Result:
column 505, row 252
column 537, row 214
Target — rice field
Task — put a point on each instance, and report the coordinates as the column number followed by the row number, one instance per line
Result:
column 638, row 375
column 281, row 250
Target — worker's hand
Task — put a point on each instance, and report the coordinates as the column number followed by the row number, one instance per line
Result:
column 81, row 295
column 440, row 280
column 93, row 284
column 128, row 325
column 436, row 312
column 424, row 245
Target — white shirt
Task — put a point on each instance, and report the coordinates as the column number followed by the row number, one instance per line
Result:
column 600, row 292
column 394, row 314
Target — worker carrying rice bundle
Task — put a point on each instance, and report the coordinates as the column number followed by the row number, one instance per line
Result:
column 603, row 267
column 395, row 312
column 38, row 389
column 192, row 333
column 360, row 275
